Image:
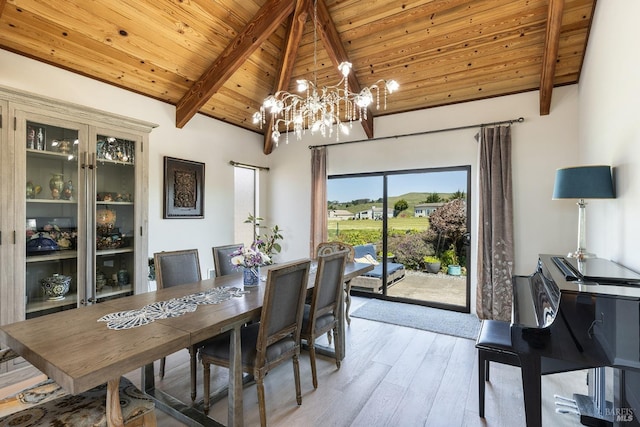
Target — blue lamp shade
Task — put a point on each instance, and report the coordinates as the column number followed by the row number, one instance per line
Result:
column 584, row 182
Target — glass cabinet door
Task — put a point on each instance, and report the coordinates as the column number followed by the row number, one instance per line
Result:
column 51, row 217
column 115, row 219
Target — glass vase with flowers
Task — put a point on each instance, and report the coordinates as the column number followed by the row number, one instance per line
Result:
column 250, row 259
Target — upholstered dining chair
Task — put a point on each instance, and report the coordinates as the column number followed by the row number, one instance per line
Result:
column 175, row 268
column 222, row 259
column 44, row 403
column 321, row 316
column 273, row 340
column 331, row 247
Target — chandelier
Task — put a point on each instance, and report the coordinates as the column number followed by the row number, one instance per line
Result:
column 321, row 108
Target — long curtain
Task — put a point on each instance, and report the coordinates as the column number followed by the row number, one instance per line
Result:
column 495, row 233
column 318, row 198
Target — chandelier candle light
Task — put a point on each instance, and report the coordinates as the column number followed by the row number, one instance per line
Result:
column 320, row 109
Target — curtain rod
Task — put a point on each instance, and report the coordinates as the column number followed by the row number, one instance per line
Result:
column 510, row 122
column 244, row 165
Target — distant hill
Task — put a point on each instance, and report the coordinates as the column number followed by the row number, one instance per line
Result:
column 412, row 199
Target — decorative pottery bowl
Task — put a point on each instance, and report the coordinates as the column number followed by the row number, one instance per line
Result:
column 106, row 218
column 41, row 245
column 56, row 286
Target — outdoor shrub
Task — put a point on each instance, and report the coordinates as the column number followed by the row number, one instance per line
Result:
column 449, row 257
column 359, row 237
column 411, row 249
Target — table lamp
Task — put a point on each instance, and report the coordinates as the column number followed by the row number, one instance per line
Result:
column 583, row 182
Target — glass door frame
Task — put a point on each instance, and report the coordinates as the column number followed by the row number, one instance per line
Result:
column 467, row 243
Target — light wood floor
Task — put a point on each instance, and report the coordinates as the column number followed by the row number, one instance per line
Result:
column 391, row 376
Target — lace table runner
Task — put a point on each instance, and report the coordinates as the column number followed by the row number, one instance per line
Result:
column 172, row 308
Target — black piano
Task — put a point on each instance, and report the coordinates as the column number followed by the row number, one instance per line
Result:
column 571, row 315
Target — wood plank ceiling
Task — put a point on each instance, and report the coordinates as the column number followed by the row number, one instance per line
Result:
column 221, row 58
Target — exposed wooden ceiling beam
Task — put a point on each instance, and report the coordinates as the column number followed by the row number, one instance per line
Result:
column 287, row 60
column 336, row 51
column 550, row 56
column 263, row 24
column 3, row 3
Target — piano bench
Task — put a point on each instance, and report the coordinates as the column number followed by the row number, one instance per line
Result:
column 494, row 345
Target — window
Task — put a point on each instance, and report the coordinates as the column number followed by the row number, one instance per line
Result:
column 246, row 186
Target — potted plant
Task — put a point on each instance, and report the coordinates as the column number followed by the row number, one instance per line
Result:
column 267, row 243
column 450, row 259
column 432, row 264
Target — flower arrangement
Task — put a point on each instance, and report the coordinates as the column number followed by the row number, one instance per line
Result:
column 249, row 257
column 267, row 242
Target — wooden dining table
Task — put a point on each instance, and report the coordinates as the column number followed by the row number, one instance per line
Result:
column 78, row 352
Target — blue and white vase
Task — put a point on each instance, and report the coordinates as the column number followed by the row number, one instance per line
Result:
column 251, row 276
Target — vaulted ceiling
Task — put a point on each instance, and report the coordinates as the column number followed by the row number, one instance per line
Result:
column 221, row 58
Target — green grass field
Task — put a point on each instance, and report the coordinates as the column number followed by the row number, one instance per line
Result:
column 410, row 223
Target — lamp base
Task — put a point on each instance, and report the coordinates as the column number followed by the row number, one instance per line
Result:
column 581, row 254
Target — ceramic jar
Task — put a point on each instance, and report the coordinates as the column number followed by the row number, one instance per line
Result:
column 56, row 184
column 56, row 286
column 251, row 276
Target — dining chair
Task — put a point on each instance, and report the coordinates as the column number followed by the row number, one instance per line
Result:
column 222, row 259
column 331, row 247
column 175, row 268
column 321, row 316
column 271, row 341
column 45, row 403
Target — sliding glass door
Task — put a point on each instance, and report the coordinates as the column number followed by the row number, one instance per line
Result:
column 413, row 225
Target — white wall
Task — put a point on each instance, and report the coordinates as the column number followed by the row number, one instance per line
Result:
column 540, row 146
column 203, row 139
column 609, row 93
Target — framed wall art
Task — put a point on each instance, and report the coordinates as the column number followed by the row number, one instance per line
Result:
column 183, row 188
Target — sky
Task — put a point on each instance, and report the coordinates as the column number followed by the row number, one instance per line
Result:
column 370, row 187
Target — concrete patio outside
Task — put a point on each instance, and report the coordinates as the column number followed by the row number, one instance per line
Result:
column 440, row 288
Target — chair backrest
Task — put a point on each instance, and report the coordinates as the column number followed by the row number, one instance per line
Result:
column 177, row 268
column 328, row 284
column 222, row 259
column 324, row 248
column 283, row 305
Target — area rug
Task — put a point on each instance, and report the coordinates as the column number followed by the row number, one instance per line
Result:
column 416, row 316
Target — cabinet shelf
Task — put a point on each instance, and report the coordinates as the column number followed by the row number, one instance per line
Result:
column 65, row 254
column 42, row 154
column 114, row 162
column 53, row 201
column 41, row 304
column 102, row 252
column 101, row 202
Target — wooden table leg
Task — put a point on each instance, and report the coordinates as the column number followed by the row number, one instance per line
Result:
column 114, row 411
column 235, row 379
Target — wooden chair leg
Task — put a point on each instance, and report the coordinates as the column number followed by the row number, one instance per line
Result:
column 296, row 376
column 194, row 367
column 261, row 402
column 347, row 302
column 312, row 358
column 163, row 361
column 337, row 350
column 206, row 374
